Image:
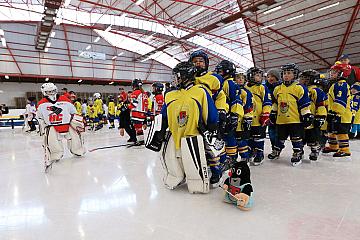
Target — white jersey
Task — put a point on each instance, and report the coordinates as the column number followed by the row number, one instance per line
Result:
column 57, row 113
column 30, row 109
column 83, row 108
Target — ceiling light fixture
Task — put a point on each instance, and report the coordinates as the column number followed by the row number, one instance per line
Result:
column 97, row 39
column 120, row 54
column 48, row 44
column 111, row 83
column 3, row 42
column 80, row 80
column 67, row 3
column 265, row 27
column 138, row 2
column 1, row 32
column 88, row 47
column 114, row 57
column 46, row 79
column 52, row 34
column 293, row 18
column 329, row 6
column 272, row 10
column 198, row 11
column 46, row 49
column 7, row 77
column 108, row 28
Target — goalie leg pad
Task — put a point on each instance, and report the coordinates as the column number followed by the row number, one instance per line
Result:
column 75, row 142
column 195, row 165
column 53, row 144
column 171, row 162
column 154, row 140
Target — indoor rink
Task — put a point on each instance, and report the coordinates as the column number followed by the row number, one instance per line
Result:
column 172, row 119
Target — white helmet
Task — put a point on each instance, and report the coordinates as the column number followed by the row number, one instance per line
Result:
column 97, row 95
column 49, row 90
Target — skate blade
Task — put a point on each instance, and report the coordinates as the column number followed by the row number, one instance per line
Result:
column 342, row 159
column 295, row 164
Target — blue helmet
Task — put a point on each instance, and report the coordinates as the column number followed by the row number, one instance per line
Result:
column 356, row 86
column 200, row 53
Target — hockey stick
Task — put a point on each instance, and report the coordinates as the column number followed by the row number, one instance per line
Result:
column 114, row 146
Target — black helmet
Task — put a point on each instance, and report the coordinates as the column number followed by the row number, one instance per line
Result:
column 227, row 67
column 290, row 67
column 157, row 87
column 200, row 53
column 250, row 74
column 184, row 73
column 111, row 98
column 309, row 76
column 136, row 83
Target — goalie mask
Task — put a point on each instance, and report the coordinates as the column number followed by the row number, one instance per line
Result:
column 49, row 90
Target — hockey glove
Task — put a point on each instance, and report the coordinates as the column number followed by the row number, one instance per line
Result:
column 272, row 117
column 264, row 119
column 231, row 122
column 307, row 119
column 222, row 121
column 215, row 144
column 319, row 121
column 247, row 122
column 333, row 117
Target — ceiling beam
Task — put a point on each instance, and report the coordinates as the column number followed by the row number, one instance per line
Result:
column 68, row 50
column 291, row 40
column 348, row 29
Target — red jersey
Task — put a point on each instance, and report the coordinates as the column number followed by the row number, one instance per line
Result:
column 138, row 105
column 157, row 103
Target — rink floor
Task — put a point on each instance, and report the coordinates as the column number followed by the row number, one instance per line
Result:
column 118, row 194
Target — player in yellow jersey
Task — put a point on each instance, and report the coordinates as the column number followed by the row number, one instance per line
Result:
column 261, row 112
column 291, row 113
column 111, row 111
column 235, row 115
column 213, row 83
column 78, row 107
column 191, row 116
column 311, row 79
column 339, row 114
column 92, row 114
column 243, row 134
column 98, row 103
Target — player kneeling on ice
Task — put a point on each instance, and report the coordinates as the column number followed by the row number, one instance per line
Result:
column 191, row 116
column 237, row 187
column 57, row 119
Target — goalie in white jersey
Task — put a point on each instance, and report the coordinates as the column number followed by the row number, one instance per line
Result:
column 57, row 119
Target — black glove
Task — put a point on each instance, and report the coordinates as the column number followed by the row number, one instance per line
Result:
column 307, row 119
column 333, row 117
column 319, row 121
column 222, row 121
column 231, row 122
column 273, row 116
column 247, row 122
